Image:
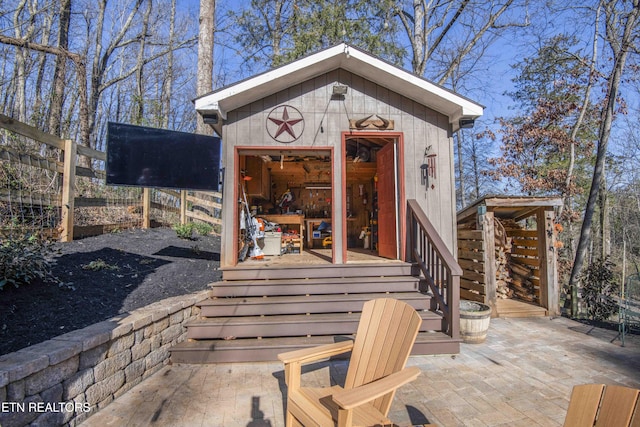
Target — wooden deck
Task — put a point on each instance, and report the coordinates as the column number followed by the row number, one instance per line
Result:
column 315, row 257
column 516, row 308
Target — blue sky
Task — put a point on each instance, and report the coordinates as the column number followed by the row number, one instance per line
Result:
column 494, row 73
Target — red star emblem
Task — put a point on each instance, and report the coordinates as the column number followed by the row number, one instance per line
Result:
column 284, row 123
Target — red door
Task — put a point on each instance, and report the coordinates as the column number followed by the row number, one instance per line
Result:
column 387, row 245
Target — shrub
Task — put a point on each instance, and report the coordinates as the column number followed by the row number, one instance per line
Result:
column 184, row 231
column 98, row 265
column 23, row 258
column 599, row 288
column 203, row 228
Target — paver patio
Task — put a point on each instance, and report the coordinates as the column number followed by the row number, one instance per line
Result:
column 521, row 376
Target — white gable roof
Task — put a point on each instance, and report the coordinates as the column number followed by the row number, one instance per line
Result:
column 347, row 57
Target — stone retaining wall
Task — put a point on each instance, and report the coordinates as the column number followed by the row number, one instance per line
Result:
column 64, row 380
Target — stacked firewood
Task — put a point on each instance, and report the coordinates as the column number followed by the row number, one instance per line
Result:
column 503, row 277
column 512, row 278
column 522, row 287
column 503, row 249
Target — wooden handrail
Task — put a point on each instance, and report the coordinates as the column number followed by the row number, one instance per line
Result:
column 24, row 129
column 440, row 270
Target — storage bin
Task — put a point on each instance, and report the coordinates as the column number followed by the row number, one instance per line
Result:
column 272, row 243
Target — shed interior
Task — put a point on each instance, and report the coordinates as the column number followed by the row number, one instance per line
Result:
column 296, row 186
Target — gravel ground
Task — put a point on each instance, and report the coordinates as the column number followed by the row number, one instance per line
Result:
column 112, row 274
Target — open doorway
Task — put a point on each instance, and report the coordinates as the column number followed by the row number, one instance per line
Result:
column 292, row 189
column 373, row 194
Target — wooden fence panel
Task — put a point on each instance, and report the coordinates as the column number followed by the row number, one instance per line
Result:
column 471, row 258
column 202, row 206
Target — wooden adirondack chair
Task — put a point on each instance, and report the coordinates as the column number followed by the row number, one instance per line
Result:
column 603, row 405
column 385, row 337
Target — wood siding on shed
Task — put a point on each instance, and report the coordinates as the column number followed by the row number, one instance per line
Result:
column 325, row 120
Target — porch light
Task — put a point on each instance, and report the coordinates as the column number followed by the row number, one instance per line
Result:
column 339, row 90
column 466, row 123
column 210, row 118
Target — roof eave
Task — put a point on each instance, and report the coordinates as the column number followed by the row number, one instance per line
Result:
column 440, row 99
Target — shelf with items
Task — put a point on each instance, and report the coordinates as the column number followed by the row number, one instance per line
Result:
column 317, row 230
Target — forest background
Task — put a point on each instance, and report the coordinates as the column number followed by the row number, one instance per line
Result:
column 559, row 82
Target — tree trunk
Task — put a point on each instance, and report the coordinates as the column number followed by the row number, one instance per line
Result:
column 620, row 57
column 205, row 57
column 605, row 248
column 461, row 176
column 476, row 168
column 38, row 117
column 58, row 87
column 97, row 85
column 583, row 111
column 20, row 73
column 167, row 87
column 419, row 39
column 138, row 114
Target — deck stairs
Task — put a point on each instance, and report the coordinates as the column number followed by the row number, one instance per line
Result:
column 257, row 313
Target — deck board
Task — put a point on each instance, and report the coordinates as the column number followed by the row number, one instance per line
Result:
column 318, row 256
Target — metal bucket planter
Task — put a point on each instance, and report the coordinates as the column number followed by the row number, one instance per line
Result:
column 474, row 321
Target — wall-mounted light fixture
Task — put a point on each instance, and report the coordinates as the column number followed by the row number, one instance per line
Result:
column 339, row 90
column 210, row 118
column 466, row 123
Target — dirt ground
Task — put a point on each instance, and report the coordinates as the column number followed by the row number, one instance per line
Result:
column 112, row 274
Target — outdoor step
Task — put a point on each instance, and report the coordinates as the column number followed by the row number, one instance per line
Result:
column 514, row 308
column 267, row 349
column 302, row 304
column 288, row 325
column 316, row 271
column 315, row 286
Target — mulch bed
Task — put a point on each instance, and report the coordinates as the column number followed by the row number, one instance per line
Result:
column 112, row 274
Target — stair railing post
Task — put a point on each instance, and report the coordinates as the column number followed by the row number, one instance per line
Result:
column 411, row 232
column 453, row 297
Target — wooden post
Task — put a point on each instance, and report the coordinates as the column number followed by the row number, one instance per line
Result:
column 68, row 194
column 489, row 243
column 549, row 291
column 183, row 207
column 146, row 208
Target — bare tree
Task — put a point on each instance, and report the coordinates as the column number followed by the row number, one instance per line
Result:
column 38, row 108
column 430, row 24
column 140, row 62
column 621, row 32
column 167, row 85
column 101, row 59
column 24, row 32
column 58, row 88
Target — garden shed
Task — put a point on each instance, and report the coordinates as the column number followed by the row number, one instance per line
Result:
column 338, row 137
column 508, row 253
column 352, row 158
